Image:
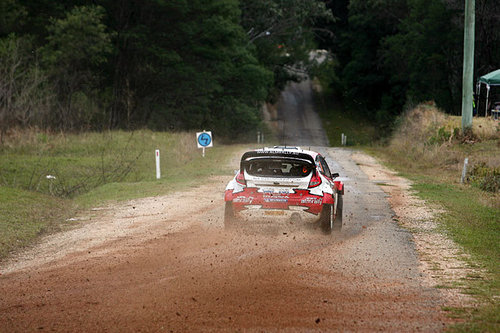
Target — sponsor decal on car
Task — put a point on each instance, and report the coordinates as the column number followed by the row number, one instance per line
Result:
column 311, row 201
column 243, row 199
column 282, row 152
column 275, row 199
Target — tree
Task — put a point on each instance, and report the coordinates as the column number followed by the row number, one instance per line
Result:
column 24, row 93
column 422, row 56
column 364, row 80
column 396, row 52
column 487, row 45
column 183, row 64
column 283, row 34
column 12, row 17
column 77, row 45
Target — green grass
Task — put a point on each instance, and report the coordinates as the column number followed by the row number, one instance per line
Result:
column 473, row 225
column 24, row 215
column 92, row 169
column 476, row 227
column 175, row 175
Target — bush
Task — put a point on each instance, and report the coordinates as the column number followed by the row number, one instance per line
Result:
column 485, row 177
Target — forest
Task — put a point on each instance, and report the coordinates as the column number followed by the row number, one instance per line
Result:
column 211, row 64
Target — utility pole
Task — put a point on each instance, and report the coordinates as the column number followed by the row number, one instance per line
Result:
column 468, row 74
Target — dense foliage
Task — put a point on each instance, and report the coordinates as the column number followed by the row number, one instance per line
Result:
column 392, row 53
column 210, row 64
column 175, row 64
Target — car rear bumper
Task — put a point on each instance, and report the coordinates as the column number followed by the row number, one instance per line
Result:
column 300, row 201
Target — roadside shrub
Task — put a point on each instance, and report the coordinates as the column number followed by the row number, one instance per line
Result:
column 426, row 139
column 417, row 140
column 441, row 136
column 485, row 177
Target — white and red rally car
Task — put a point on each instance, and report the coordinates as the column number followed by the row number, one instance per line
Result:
column 285, row 181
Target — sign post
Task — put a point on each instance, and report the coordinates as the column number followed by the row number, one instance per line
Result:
column 204, row 140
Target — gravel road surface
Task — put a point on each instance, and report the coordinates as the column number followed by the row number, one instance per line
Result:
column 167, row 264
column 299, row 122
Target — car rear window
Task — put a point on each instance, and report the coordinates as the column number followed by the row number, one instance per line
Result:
column 278, row 167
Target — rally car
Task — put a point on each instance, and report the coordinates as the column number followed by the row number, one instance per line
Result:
column 283, row 182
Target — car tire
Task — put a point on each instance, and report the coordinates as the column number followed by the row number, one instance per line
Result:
column 337, row 224
column 229, row 217
column 326, row 218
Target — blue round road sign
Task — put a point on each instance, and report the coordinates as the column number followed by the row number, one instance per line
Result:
column 204, row 139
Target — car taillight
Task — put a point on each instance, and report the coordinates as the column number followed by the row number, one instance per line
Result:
column 240, row 178
column 315, row 179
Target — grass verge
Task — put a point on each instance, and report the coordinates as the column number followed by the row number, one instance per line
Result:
column 24, row 215
column 92, row 169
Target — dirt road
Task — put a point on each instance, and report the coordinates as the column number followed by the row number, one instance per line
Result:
column 300, row 125
column 167, row 264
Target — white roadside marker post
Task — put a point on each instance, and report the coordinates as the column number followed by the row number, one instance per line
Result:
column 158, row 174
column 464, row 170
column 50, row 178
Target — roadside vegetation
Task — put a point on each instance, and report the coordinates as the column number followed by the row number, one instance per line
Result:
column 384, row 60
column 428, row 148
column 45, row 178
column 162, row 65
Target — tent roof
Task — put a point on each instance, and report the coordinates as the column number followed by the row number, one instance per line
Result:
column 492, row 78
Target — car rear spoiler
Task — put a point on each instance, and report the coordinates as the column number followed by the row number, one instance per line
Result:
column 275, row 153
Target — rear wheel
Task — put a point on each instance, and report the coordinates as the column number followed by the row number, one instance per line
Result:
column 229, row 217
column 326, row 219
column 337, row 224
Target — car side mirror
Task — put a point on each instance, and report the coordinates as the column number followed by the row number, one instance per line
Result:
column 335, row 175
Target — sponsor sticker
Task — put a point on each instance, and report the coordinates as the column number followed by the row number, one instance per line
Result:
column 243, row 199
column 311, row 201
column 273, row 199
